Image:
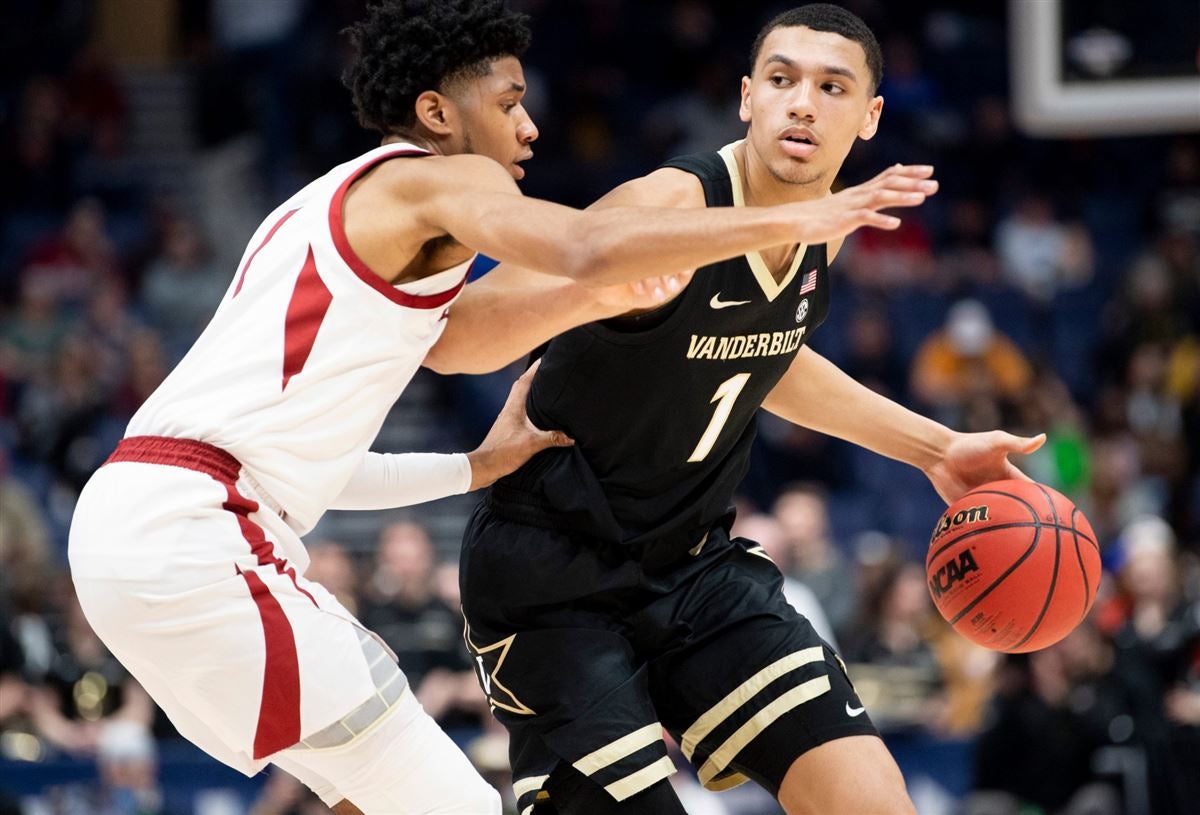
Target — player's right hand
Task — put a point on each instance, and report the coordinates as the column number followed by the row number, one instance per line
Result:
column 834, row 217
column 513, row 439
column 640, row 294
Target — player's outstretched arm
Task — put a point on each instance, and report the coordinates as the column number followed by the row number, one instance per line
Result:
column 511, row 310
column 390, row 480
column 817, row 394
column 475, row 201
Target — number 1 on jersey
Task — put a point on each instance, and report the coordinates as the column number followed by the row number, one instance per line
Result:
column 727, row 393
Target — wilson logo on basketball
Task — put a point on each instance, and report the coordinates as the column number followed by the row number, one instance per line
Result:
column 955, row 570
column 963, row 516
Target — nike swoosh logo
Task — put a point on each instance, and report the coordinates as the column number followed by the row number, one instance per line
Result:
column 718, row 303
column 854, row 711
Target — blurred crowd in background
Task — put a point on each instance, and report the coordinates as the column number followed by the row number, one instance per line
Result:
column 1052, row 285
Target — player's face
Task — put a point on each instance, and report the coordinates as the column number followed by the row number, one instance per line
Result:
column 807, row 101
column 495, row 123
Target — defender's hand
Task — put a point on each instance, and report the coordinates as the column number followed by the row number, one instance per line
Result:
column 513, row 439
column 840, row 214
column 641, row 294
column 974, row 459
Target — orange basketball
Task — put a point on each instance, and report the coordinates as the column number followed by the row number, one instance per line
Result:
column 1013, row 566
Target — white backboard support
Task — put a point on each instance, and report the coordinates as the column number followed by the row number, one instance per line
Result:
column 1044, row 104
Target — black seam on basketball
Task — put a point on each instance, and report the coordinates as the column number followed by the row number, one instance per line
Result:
column 1075, row 529
column 1087, row 591
column 933, row 553
column 979, row 598
column 1032, row 514
column 1053, row 575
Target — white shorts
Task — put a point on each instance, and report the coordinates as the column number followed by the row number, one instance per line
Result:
column 197, row 589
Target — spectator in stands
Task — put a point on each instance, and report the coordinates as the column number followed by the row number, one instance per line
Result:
column 966, row 260
column 182, row 287
column 25, row 557
column 1178, row 204
column 886, row 260
column 1065, row 460
column 1041, row 255
column 78, row 259
column 83, row 687
column 872, row 357
column 54, row 415
column 284, row 795
column 332, row 567
column 1061, row 703
column 703, row 117
column 894, row 623
column 145, row 369
column 14, row 692
column 968, row 361
column 110, row 329
column 127, row 758
column 1156, row 632
column 400, row 605
column 816, row 561
column 768, row 532
column 31, row 336
column 37, row 165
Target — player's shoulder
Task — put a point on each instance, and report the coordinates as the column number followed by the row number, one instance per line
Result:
column 419, row 175
column 664, row 187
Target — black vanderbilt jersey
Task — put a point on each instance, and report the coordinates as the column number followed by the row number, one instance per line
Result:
column 662, row 407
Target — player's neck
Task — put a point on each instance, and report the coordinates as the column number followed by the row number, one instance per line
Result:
column 415, row 140
column 762, row 188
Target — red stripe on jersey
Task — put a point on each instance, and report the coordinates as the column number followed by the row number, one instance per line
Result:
column 270, row 234
column 305, row 313
column 262, row 549
column 279, row 711
column 337, row 228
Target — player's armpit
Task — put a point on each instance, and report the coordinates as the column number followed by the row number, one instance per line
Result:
column 505, row 315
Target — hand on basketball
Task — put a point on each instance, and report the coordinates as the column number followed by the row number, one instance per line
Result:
column 902, row 185
column 640, row 294
column 513, row 439
column 974, row 459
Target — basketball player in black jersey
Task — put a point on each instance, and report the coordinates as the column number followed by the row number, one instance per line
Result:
column 604, row 597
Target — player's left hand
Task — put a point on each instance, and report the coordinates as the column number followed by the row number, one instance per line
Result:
column 640, row 294
column 513, row 439
column 974, row 459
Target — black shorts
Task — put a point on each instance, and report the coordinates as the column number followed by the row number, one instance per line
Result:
column 585, row 658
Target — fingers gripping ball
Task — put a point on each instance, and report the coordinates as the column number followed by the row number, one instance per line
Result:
column 1013, row 566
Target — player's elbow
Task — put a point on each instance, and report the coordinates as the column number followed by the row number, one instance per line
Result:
column 447, row 361
column 592, row 257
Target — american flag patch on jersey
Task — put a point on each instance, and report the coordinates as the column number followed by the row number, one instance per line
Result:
column 808, row 282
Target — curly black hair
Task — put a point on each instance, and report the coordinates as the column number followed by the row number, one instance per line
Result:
column 407, row 47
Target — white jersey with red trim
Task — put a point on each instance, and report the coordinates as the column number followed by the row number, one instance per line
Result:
column 306, row 354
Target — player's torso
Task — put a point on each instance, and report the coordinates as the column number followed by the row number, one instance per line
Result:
column 306, row 353
column 663, row 416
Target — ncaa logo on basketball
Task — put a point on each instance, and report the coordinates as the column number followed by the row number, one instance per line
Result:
column 970, row 515
column 802, row 310
column 953, row 572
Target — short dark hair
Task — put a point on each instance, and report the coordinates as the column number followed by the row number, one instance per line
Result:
column 827, row 17
column 407, row 47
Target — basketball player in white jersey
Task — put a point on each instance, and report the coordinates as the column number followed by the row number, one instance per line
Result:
column 185, row 547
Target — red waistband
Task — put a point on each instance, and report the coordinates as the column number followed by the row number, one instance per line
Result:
column 193, row 455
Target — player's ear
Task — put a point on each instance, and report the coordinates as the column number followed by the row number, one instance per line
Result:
column 436, row 113
column 744, row 109
column 871, row 119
